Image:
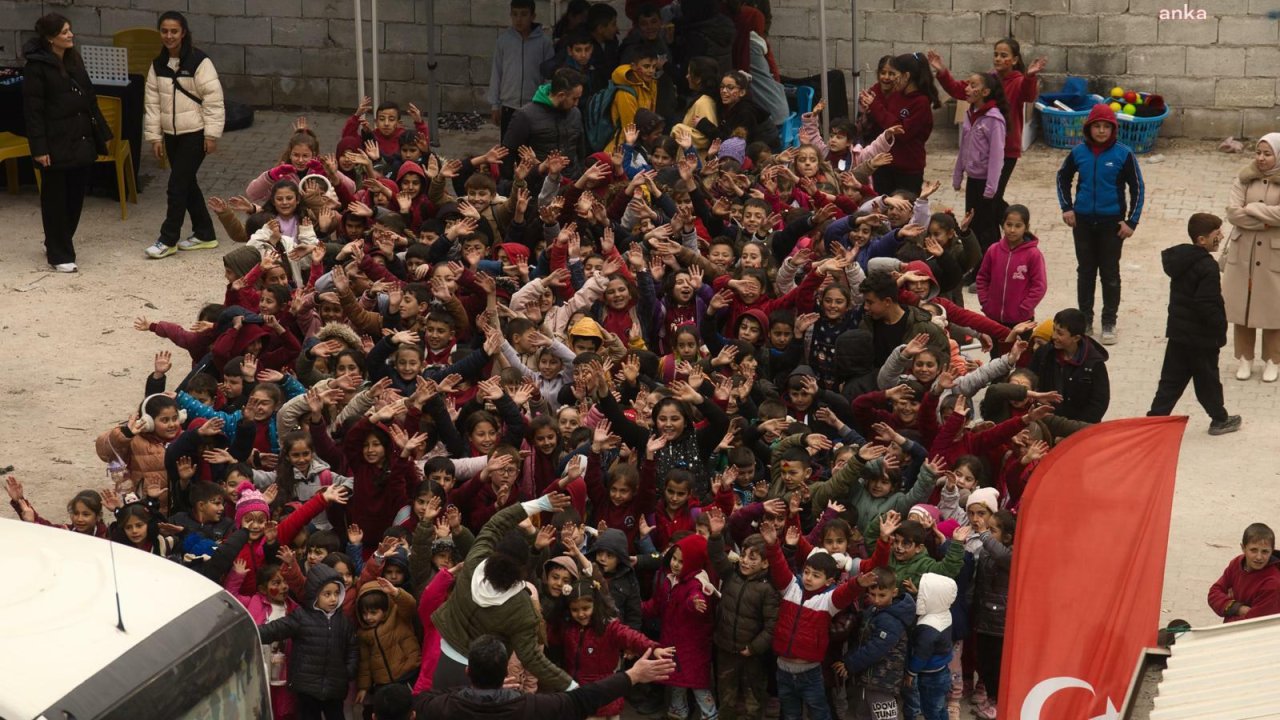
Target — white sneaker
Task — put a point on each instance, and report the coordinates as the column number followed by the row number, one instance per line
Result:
column 195, row 243
column 1245, row 371
column 1270, row 372
column 160, row 250
column 66, row 268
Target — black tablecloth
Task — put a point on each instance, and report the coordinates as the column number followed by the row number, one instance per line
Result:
column 12, row 118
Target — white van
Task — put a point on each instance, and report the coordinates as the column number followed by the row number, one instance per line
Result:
column 142, row 637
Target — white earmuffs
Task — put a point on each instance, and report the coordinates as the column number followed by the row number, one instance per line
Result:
column 148, row 422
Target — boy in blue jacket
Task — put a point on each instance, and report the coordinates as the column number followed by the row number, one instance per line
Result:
column 881, row 655
column 928, row 671
column 1099, row 218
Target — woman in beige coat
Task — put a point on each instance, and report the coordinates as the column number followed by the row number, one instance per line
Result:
column 1251, row 285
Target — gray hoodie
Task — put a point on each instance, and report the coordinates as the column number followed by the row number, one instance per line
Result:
column 515, row 76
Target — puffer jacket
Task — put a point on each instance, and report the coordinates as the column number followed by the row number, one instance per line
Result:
column 325, row 653
column 1105, row 172
column 170, row 111
column 1197, row 315
column 590, row 656
column 748, row 605
column 804, row 618
column 991, row 590
column 391, row 650
column 144, row 456
column 61, row 110
column 931, row 647
column 881, row 654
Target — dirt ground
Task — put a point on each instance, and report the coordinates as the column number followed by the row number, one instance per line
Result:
column 73, row 365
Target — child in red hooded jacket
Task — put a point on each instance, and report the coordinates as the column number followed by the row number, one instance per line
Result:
column 1250, row 586
column 687, row 623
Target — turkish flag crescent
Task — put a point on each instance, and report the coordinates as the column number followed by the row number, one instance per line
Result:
column 1088, row 570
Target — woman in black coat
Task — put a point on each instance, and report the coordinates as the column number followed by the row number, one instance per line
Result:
column 66, row 132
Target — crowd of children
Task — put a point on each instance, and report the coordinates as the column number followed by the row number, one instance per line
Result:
column 681, row 392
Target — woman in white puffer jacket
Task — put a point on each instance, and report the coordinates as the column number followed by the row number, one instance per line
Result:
column 184, row 117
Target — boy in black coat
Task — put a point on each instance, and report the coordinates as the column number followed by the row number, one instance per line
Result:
column 325, row 651
column 1197, row 326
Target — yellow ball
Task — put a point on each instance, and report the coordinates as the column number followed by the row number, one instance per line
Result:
column 1116, row 107
column 1117, row 91
column 1129, row 109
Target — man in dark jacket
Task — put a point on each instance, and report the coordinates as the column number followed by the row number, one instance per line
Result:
column 1074, row 365
column 488, row 699
column 324, row 656
column 1197, row 326
column 744, row 622
column 551, row 121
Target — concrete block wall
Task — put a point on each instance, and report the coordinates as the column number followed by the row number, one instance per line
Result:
column 1221, row 75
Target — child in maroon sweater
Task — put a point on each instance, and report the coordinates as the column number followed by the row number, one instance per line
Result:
column 618, row 501
column 1250, row 586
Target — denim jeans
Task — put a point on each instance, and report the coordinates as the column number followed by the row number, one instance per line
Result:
column 798, row 692
column 678, row 703
column 911, row 702
column 934, row 688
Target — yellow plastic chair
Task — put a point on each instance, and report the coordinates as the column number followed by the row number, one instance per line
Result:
column 13, row 147
column 143, row 44
column 119, row 152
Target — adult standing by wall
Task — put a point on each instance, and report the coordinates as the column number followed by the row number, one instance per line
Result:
column 66, row 132
column 1251, row 283
column 184, row 116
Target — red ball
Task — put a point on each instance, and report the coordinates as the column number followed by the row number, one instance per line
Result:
column 1130, row 96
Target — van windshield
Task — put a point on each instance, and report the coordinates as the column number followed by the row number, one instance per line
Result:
column 207, row 664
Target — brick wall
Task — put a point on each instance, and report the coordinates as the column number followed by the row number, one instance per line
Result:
column 1221, row 75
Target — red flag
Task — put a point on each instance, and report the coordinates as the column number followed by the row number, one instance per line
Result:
column 1088, row 570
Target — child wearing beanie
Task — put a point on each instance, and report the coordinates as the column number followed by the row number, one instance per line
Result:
column 253, row 513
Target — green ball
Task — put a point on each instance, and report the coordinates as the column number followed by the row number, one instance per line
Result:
column 1129, row 109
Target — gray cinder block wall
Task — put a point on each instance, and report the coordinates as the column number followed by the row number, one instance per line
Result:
column 1221, row 74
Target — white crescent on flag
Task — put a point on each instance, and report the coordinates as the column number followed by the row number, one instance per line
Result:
column 1033, row 704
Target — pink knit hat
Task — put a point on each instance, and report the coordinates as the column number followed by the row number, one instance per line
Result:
column 251, row 500
column 923, row 509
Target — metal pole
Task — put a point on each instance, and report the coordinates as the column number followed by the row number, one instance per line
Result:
column 359, row 54
column 857, row 69
column 433, row 88
column 373, row 25
column 822, row 43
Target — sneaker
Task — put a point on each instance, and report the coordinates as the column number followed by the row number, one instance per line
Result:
column 1109, row 335
column 1245, row 370
column 1088, row 329
column 160, row 250
column 195, row 243
column 1271, row 372
column 65, row 268
column 1230, row 425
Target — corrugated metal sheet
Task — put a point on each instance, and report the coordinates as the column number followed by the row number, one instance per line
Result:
column 1223, row 672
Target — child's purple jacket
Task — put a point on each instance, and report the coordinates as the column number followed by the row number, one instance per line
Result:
column 981, row 153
